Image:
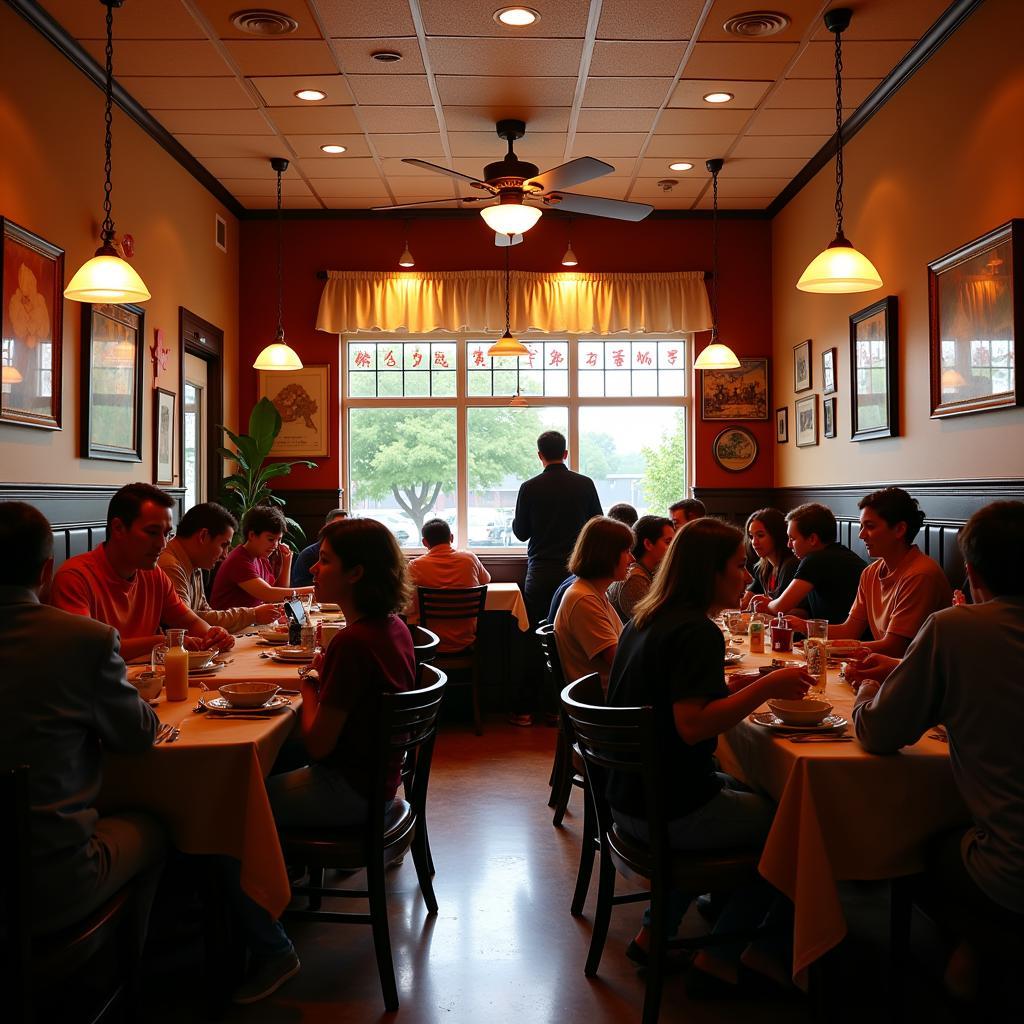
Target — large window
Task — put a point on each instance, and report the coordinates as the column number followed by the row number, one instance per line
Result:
column 429, row 431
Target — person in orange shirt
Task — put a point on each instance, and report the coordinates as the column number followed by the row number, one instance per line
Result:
column 119, row 583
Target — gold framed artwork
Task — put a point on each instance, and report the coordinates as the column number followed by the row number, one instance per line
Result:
column 302, row 397
column 740, row 394
column 165, row 437
column 807, row 421
column 735, row 449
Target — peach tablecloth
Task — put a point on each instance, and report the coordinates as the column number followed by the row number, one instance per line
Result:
column 843, row 814
column 506, row 597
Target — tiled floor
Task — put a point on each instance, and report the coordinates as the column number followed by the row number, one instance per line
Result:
column 503, row 947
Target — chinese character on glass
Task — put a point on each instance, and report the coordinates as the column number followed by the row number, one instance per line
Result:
column 591, row 359
column 556, row 358
column 389, row 359
column 643, row 359
column 618, row 356
column 362, row 359
column 440, row 359
column 532, row 349
column 672, row 355
column 478, row 357
column 417, row 358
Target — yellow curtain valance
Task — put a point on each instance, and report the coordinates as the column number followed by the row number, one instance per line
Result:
column 474, row 300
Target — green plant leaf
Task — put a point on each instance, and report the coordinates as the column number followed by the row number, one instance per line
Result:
column 264, row 425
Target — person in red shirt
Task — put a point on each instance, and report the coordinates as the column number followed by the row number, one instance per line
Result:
column 119, row 583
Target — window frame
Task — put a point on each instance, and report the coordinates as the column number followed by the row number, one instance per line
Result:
column 462, row 401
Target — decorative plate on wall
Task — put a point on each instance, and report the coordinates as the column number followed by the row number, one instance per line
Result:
column 735, row 449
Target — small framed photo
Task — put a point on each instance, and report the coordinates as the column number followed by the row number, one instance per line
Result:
column 782, row 425
column 828, row 371
column 802, row 366
column 807, row 421
column 828, row 415
column 165, row 437
column 302, row 397
column 874, row 409
column 112, row 382
column 740, row 394
column 735, row 449
column 32, row 271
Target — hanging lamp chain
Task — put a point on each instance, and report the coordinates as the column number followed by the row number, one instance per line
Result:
column 839, row 134
column 508, row 307
column 107, row 230
column 714, row 257
column 280, row 263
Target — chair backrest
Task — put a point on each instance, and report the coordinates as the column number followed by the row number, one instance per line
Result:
column 424, row 643
column 454, row 603
column 15, row 893
column 545, row 633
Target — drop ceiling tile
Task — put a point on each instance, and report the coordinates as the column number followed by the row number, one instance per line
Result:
column 280, row 91
column 425, row 145
column 807, row 93
column 476, row 18
column 398, row 120
column 270, row 202
column 608, row 144
column 356, row 56
column 800, row 12
column 215, row 122
column 860, row 60
column 687, row 146
column 338, row 167
column 308, row 120
column 480, row 119
column 500, row 57
column 290, row 186
column 134, row 21
column 189, row 58
column 391, row 90
column 762, row 167
column 396, row 167
column 734, row 202
column 890, row 21
column 239, row 167
column 624, row 56
column 309, row 145
column 702, row 122
column 354, row 19
column 605, row 119
column 794, row 122
column 691, row 92
column 203, row 146
column 626, row 19
column 803, row 146
column 339, row 187
column 486, row 146
column 282, row 56
column 548, row 92
column 429, row 187
column 648, row 188
column 744, row 188
column 188, row 93
column 626, row 92
column 218, row 13
column 611, row 187
column 740, row 61
column 658, row 167
column 357, row 203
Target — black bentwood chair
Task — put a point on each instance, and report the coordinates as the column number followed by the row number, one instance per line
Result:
column 424, row 643
column 625, row 740
column 406, row 723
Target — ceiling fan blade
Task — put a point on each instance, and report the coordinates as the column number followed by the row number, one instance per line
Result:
column 504, row 241
column 447, row 170
column 575, row 172
column 432, row 202
column 595, row 206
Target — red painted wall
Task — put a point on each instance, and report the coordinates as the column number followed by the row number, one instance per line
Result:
column 465, row 244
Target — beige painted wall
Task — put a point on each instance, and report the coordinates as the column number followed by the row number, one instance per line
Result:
column 938, row 166
column 51, row 182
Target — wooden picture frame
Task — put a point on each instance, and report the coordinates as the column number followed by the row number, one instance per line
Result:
column 303, row 398
column 828, row 372
column 828, row 417
column 112, row 358
column 166, row 443
column 874, row 376
column 32, row 272
column 806, row 415
column 782, row 425
column 735, row 449
column 975, row 317
column 802, row 378
column 740, row 394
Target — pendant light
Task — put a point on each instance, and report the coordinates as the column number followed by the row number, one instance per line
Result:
column 406, row 260
column 569, row 259
column 506, row 345
column 106, row 277
column 840, row 268
column 716, row 356
column 279, row 355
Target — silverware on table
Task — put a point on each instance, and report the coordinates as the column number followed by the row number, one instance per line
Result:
column 175, row 735
column 162, row 733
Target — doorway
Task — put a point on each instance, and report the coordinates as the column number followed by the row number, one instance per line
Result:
column 202, row 346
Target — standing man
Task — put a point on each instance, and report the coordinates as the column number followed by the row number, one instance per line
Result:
column 203, row 539
column 307, row 557
column 551, row 509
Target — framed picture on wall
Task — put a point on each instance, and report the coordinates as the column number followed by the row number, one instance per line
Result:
column 782, row 425
column 802, row 366
column 735, row 449
column 302, row 397
column 975, row 316
column 740, row 394
column 112, row 339
column 32, row 271
column 828, row 416
column 165, row 437
column 807, row 421
column 874, row 381
column 828, row 371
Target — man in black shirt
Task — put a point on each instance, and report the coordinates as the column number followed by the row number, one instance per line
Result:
column 550, row 512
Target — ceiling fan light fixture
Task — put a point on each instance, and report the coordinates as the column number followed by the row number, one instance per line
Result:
column 510, row 218
column 516, row 17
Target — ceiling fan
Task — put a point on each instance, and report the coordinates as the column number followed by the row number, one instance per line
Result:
column 512, row 183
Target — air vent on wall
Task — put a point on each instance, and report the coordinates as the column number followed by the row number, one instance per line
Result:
column 264, row 23
column 756, row 23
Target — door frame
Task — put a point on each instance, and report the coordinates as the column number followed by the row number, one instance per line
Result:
column 202, row 339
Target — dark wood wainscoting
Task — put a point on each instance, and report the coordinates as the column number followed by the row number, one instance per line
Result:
column 77, row 513
column 309, row 508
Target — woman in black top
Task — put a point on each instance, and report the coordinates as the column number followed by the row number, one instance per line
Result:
column 776, row 565
column 671, row 657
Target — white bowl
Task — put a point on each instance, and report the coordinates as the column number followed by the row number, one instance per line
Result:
column 248, row 695
column 200, row 659
column 149, row 684
column 809, row 711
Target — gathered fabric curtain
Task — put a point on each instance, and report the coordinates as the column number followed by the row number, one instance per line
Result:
column 474, row 300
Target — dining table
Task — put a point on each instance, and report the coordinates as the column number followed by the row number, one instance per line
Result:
column 843, row 814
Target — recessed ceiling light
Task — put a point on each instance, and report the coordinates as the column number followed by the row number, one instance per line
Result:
column 718, row 97
column 681, row 166
column 331, row 148
column 517, row 17
column 312, row 95
column 386, row 56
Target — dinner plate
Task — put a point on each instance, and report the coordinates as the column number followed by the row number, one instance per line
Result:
column 208, row 670
column 329, row 607
column 215, row 702
column 733, row 657
column 292, row 654
column 272, row 641
column 830, row 723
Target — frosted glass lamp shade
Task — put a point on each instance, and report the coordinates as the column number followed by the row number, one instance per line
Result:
column 717, row 357
column 839, row 269
column 506, row 345
column 510, row 218
column 278, row 356
column 106, row 278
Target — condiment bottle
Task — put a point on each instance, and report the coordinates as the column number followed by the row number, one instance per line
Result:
column 307, row 637
column 176, row 665
column 756, row 634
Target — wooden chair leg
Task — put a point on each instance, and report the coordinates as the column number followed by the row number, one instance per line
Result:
column 602, row 916
column 424, row 867
column 563, row 794
column 476, row 695
column 557, row 767
column 656, row 956
column 587, row 849
column 375, row 886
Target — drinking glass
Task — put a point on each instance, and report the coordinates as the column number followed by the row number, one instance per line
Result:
column 817, row 628
column 156, row 659
column 816, row 655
